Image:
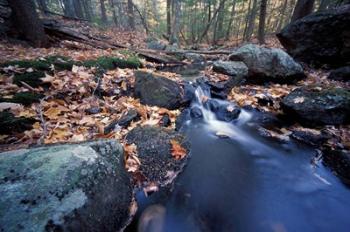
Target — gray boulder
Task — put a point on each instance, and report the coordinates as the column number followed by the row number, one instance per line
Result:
column 73, row 187
column 156, row 90
column 318, row 106
column 268, row 64
column 231, row 68
column 340, row 74
column 194, row 57
column 320, row 38
column 154, row 151
column 156, row 45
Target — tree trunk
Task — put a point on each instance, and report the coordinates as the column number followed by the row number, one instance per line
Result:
column 251, row 22
column 282, row 16
column 229, row 27
column 174, row 38
column 302, row 8
column 78, row 9
column 42, row 6
column 219, row 24
column 87, row 9
column 28, row 22
column 131, row 19
column 115, row 18
column 261, row 33
column 103, row 12
column 168, row 17
column 69, row 8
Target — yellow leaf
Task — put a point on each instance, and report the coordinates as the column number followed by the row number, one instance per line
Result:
column 177, row 151
column 52, row 113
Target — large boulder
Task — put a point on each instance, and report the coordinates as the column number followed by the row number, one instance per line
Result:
column 154, row 150
column 231, row 68
column 73, row 187
column 268, row 64
column 340, row 74
column 318, row 106
column 156, row 90
column 320, row 38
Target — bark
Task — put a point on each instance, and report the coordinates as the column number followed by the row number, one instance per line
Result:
column 115, row 18
column 302, row 9
column 229, row 27
column 28, row 23
column 131, row 18
column 251, row 22
column 282, row 16
column 87, row 9
column 103, row 12
column 262, row 18
column 219, row 24
column 42, row 6
column 174, row 38
column 68, row 8
column 168, row 17
column 78, row 9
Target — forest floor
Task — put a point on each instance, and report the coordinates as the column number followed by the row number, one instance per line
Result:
column 62, row 113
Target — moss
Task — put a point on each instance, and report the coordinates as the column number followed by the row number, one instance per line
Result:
column 113, row 62
column 24, row 98
column 10, row 124
column 44, row 64
column 31, row 78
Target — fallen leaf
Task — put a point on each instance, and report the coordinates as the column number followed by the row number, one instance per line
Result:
column 177, row 151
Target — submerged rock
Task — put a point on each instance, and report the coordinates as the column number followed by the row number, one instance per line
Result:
column 73, row 187
column 231, row 68
column 156, row 90
column 339, row 162
column 184, row 116
column 154, row 151
column 320, row 38
column 317, row 106
column 340, row 74
column 268, row 64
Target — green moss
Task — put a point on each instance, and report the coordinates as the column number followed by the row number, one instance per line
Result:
column 113, row 62
column 31, row 78
column 43, row 64
column 10, row 124
column 24, row 98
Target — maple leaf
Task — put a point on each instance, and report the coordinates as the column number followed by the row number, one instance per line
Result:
column 177, row 151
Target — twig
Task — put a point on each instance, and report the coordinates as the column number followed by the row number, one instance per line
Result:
column 28, row 86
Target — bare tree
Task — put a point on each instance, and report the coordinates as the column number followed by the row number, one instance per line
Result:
column 131, row 18
column 103, row 12
column 302, row 8
column 28, row 22
column 229, row 27
column 262, row 18
column 251, row 21
column 168, row 17
column 174, row 38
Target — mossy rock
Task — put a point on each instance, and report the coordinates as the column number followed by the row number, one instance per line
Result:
column 109, row 63
column 24, row 98
column 10, row 124
column 31, row 78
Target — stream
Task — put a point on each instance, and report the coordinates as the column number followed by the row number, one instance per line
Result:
column 241, row 181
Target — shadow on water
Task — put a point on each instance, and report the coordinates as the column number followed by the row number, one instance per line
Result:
column 246, row 183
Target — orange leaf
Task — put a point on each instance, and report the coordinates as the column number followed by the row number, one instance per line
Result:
column 177, row 151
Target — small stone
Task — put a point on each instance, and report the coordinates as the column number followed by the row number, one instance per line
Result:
column 196, row 112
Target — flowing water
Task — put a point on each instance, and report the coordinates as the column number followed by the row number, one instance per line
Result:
column 243, row 182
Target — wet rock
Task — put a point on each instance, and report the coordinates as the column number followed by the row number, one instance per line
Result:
column 124, row 121
column 340, row 74
column 231, row 68
column 157, row 90
column 268, row 64
column 182, row 119
column 212, row 105
column 73, row 187
column 189, row 93
column 310, row 137
column 165, row 121
column 154, row 151
column 227, row 112
column 339, row 162
column 196, row 112
column 262, row 118
column 10, row 124
column 317, row 106
column 320, row 38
